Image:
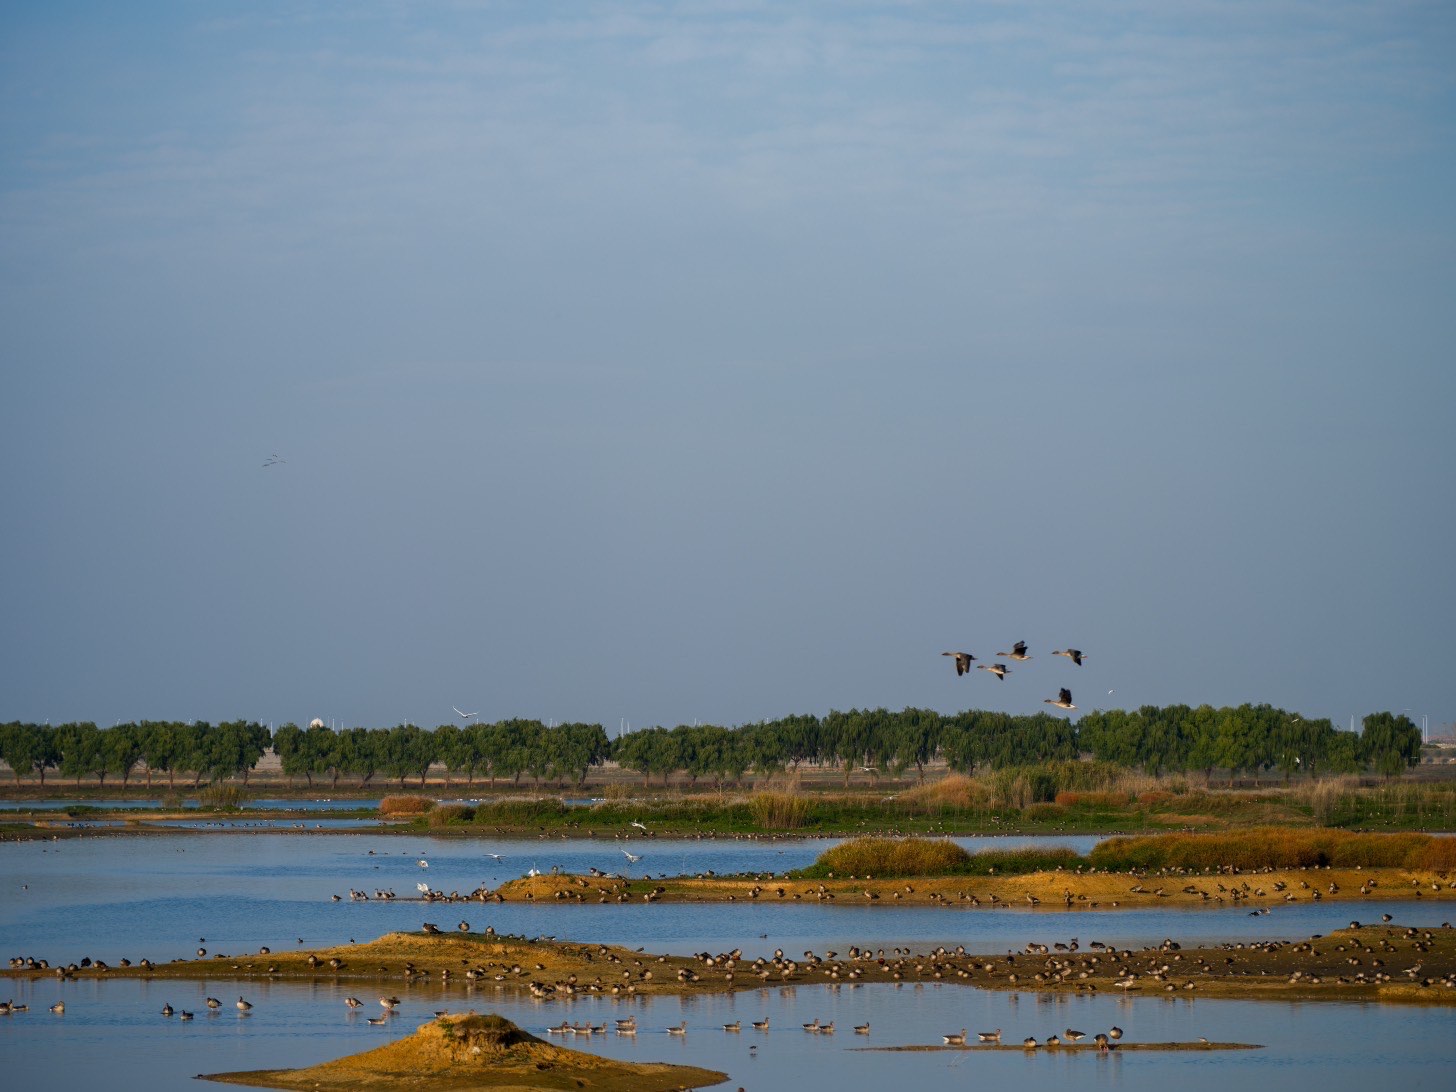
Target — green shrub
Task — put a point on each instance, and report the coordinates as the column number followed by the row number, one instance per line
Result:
column 222, row 797
column 446, row 814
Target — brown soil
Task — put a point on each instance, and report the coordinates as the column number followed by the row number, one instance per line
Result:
column 470, row 1052
column 1369, row 962
column 1052, row 890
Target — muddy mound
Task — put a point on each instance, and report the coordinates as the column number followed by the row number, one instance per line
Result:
column 471, row 1051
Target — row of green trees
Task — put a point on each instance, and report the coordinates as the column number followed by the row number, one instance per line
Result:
column 212, row 751
column 1159, row 740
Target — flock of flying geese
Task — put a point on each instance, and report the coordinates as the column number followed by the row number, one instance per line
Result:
column 1018, row 652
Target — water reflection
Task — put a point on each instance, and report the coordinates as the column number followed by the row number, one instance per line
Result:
column 113, row 1036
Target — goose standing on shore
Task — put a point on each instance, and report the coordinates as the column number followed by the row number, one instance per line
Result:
column 955, row 1040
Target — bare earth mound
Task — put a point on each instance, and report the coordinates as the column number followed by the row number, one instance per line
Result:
column 470, row 1052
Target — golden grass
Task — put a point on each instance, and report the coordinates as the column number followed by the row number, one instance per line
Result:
column 894, row 857
column 955, row 792
column 392, row 806
column 1276, row 847
column 779, row 810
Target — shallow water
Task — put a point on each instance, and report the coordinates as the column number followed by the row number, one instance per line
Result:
column 109, row 897
column 112, row 1036
column 114, row 897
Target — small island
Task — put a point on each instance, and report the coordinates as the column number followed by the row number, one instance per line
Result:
column 475, row 1052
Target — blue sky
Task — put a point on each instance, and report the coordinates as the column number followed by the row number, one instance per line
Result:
column 659, row 362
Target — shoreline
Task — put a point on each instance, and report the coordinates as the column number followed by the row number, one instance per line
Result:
column 1369, row 962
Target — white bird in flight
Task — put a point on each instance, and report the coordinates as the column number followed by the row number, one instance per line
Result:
column 462, row 714
column 639, row 824
column 632, row 857
column 422, row 888
column 495, row 856
column 423, row 863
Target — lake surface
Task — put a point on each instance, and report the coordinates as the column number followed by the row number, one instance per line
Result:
column 109, row 897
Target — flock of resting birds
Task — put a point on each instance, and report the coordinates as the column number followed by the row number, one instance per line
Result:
column 1063, row 700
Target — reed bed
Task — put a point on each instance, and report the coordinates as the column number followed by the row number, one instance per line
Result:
column 1275, row 847
column 444, row 815
column 900, row 857
column 221, row 797
column 398, row 807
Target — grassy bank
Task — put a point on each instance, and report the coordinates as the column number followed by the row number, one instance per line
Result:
column 1057, row 798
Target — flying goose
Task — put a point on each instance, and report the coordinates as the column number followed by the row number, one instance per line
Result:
column 1063, row 699
column 1018, row 652
column 962, row 661
column 999, row 670
column 1073, row 654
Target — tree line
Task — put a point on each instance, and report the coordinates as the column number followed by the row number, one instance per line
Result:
column 1248, row 738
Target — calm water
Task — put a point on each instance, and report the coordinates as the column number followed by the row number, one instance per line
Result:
column 156, row 896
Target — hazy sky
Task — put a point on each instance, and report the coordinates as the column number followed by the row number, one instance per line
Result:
column 717, row 361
